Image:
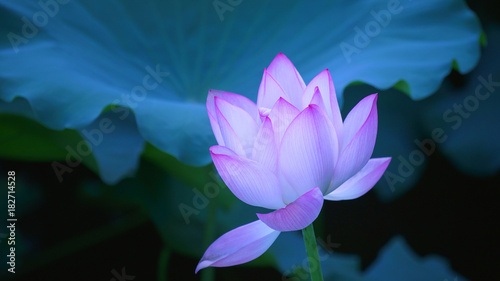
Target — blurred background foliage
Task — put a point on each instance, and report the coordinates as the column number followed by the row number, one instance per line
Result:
column 113, row 169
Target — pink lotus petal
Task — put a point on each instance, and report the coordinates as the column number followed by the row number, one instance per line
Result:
column 281, row 115
column 234, row 99
column 362, row 182
column 358, row 148
column 283, row 70
column 237, row 100
column 270, row 91
column 248, row 180
column 216, row 128
column 308, row 152
column 239, row 245
column 265, row 150
column 298, row 214
column 228, row 135
column 243, row 125
column 357, row 117
column 324, row 83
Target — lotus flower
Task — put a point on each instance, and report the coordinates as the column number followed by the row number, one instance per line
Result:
column 288, row 152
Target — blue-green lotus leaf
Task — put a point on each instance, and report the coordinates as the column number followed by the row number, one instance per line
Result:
column 289, row 251
column 111, row 145
column 116, row 145
column 397, row 261
column 72, row 59
column 468, row 114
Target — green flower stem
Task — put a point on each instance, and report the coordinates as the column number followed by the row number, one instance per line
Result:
column 312, row 253
column 163, row 260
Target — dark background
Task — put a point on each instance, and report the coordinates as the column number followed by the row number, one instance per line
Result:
column 447, row 213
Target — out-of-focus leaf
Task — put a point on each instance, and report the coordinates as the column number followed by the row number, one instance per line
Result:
column 469, row 114
column 111, row 145
column 192, row 176
column 159, row 58
column 178, row 210
column 159, row 196
column 116, row 145
column 291, row 257
column 397, row 261
column 26, row 140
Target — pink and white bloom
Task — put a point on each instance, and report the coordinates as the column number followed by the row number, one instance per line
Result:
column 288, row 152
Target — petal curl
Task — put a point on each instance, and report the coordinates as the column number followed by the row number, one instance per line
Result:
column 283, row 70
column 362, row 182
column 298, row 214
column 248, row 180
column 239, row 245
column 360, row 133
column 308, row 153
